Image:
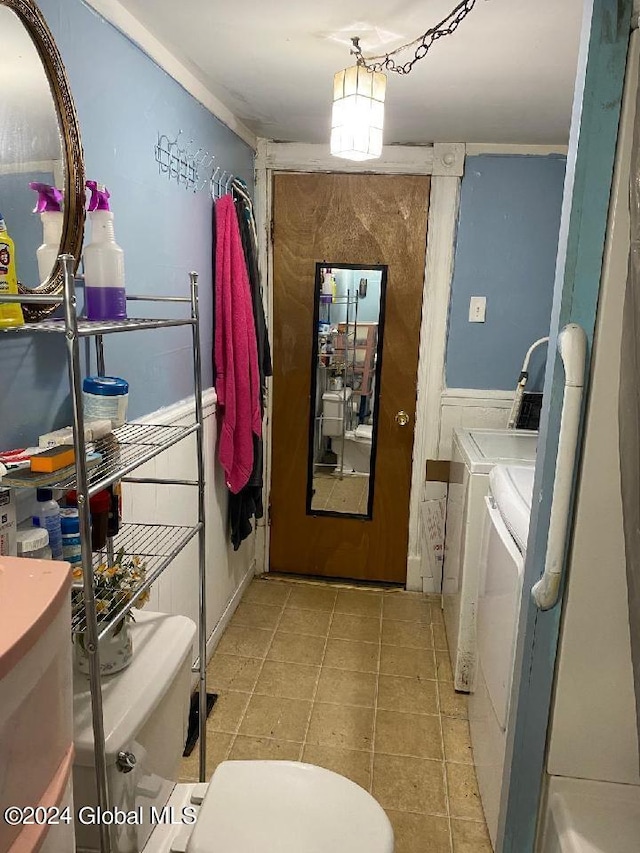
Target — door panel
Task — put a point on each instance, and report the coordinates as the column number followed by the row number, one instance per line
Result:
column 365, row 220
column 592, row 144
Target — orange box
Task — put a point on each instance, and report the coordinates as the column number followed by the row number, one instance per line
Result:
column 53, row 459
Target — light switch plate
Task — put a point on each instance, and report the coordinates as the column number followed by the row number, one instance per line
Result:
column 477, row 309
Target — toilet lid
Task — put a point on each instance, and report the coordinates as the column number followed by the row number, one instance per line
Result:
column 364, row 431
column 287, row 807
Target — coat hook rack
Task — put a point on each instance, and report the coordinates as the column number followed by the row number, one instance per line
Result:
column 183, row 164
column 220, row 183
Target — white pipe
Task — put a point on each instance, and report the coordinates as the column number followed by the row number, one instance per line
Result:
column 572, row 346
column 534, row 346
column 522, row 381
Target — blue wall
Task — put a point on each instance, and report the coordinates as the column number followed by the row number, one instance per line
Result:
column 123, row 100
column 369, row 306
column 506, row 250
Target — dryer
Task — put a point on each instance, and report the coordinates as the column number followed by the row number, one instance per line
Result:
column 475, row 453
column 503, row 550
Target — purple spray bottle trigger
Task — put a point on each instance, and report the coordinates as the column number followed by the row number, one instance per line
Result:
column 49, row 198
column 99, row 196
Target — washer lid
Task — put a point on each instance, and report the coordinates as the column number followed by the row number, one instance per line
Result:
column 288, row 807
column 512, row 489
column 481, row 449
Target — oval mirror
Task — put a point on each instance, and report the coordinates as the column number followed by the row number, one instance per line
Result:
column 39, row 143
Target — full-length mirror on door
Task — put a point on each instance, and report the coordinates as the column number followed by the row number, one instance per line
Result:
column 347, row 334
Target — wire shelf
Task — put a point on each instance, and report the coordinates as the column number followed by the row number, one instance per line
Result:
column 122, row 451
column 156, row 544
column 86, row 328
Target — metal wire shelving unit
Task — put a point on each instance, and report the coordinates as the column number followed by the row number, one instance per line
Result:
column 342, row 361
column 157, row 545
column 124, row 450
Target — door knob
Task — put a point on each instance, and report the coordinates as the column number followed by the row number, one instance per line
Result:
column 402, row 418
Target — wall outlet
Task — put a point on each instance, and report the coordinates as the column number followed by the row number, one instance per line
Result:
column 477, row 309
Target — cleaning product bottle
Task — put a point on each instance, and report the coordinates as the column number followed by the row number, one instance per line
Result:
column 48, row 516
column 49, row 206
column 103, row 262
column 327, row 289
column 71, row 542
column 10, row 312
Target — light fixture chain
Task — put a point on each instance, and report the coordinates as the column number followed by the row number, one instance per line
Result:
column 386, row 62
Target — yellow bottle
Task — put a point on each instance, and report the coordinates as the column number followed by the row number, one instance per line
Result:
column 10, row 312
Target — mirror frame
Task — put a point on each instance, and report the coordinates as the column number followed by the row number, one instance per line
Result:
column 327, row 513
column 74, row 188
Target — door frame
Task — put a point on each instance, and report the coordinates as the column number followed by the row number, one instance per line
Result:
column 444, row 162
column 592, row 146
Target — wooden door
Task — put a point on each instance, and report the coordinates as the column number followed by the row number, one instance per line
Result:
column 351, row 219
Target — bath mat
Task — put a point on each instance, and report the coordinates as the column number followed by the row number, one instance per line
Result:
column 194, row 717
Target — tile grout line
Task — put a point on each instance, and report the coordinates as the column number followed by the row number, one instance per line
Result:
column 262, row 663
column 444, row 754
column 328, row 498
column 317, row 684
column 375, row 697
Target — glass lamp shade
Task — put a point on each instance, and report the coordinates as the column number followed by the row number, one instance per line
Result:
column 358, row 113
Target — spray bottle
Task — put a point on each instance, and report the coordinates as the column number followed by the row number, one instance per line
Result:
column 49, row 206
column 105, row 297
column 10, row 312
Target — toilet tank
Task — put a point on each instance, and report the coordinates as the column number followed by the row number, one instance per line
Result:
column 333, row 410
column 146, row 713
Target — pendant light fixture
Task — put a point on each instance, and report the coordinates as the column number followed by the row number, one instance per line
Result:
column 357, row 118
column 358, row 113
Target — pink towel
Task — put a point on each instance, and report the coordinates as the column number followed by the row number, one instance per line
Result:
column 236, row 352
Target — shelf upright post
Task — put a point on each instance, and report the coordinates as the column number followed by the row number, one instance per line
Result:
column 100, row 368
column 101, row 371
column 353, row 369
column 91, row 635
column 345, row 367
column 202, row 589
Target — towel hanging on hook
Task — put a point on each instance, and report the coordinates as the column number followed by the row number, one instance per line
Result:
column 240, row 193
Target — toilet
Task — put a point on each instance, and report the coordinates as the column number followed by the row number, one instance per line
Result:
column 247, row 806
column 335, row 404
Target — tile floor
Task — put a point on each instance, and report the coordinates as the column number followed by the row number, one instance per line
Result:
column 359, row 682
column 347, row 495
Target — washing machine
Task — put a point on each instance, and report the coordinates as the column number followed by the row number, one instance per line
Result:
column 501, row 568
column 475, row 453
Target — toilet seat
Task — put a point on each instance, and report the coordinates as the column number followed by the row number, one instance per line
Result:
column 287, row 807
column 364, row 432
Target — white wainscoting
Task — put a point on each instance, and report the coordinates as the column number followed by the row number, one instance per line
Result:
column 228, row 572
column 468, row 408
column 459, row 407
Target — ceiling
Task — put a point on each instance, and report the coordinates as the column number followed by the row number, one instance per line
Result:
column 505, row 76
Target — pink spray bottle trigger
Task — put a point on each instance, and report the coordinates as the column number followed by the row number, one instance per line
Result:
column 49, row 198
column 99, row 196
